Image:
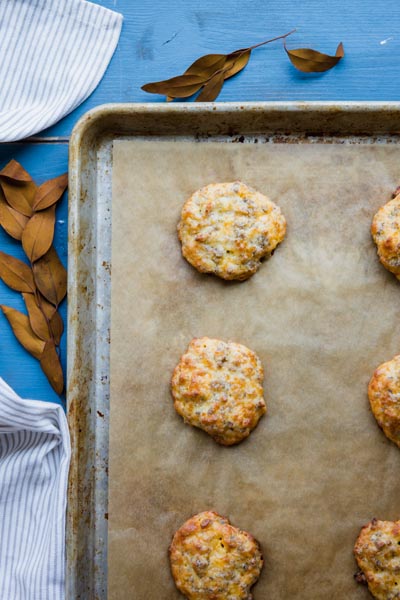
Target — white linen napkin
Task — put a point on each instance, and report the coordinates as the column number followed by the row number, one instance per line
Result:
column 34, row 462
column 53, row 54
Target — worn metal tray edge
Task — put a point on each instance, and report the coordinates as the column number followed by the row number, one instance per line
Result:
column 89, row 250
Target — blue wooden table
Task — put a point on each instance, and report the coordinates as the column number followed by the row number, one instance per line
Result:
column 160, row 39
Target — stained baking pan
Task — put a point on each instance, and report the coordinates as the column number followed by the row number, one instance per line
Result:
column 91, row 171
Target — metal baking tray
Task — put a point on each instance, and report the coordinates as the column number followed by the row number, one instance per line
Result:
column 90, row 172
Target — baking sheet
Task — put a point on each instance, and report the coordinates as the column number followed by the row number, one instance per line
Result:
column 321, row 314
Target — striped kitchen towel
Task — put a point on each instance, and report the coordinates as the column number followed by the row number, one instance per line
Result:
column 53, row 55
column 34, row 462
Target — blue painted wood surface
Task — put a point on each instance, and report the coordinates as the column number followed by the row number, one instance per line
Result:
column 161, row 38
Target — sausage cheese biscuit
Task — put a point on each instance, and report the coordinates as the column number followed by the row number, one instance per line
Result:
column 384, row 397
column 212, row 560
column 377, row 552
column 217, row 386
column 228, row 228
column 385, row 230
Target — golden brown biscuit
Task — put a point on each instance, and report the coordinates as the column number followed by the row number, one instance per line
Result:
column 217, row 386
column 385, row 230
column 384, row 397
column 212, row 560
column 228, row 228
column 377, row 552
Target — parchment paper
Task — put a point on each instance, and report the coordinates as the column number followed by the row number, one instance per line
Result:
column 322, row 314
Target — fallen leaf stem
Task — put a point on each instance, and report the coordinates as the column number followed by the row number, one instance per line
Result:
column 239, row 53
column 280, row 37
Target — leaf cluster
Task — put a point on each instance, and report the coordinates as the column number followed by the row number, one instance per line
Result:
column 27, row 214
column 208, row 73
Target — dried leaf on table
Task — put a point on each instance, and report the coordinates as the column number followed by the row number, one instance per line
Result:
column 23, row 331
column 212, row 88
column 38, row 234
column 57, row 327
column 312, row 61
column 50, row 192
column 50, row 363
column 236, row 61
column 51, row 277
column 16, row 274
column 12, row 221
column 46, row 306
column 27, row 213
column 19, row 195
column 209, row 71
column 181, row 86
column 14, row 171
column 37, row 319
column 207, row 65
column 200, row 71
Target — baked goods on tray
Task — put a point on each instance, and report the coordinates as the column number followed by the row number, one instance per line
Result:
column 213, row 560
column 385, row 230
column 218, row 387
column 384, row 397
column 377, row 552
column 229, row 228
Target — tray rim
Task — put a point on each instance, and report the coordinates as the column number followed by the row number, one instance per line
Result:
column 91, row 136
column 232, row 106
column 324, row 108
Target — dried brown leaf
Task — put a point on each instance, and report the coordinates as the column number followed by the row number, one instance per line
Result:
column 46, row 306
column 182, row 86
column 206, row 71
column 11, row 220
column 19, row 195
column 37, row 319
column 51, row 367
column 16, row 274
column 45, row 321
column 236, row 62
column 202, row 71
column 23, row 331
column 50, row 192
column 212, row 88
column 38, row 234
column 57, row 327
column 14, row 171
column 51, row 277
column 206, row 66
column 312, row 61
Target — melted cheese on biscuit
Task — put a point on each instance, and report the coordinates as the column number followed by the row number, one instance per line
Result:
column 385, row 230
column 217, row 386
column 211, row 559
column 377, row 552
column 384, row 397
column 227, row 228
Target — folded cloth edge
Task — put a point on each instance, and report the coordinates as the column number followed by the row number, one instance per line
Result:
column 35, row 457
column 31, row 415
column 48, row 98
